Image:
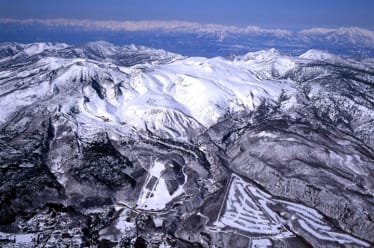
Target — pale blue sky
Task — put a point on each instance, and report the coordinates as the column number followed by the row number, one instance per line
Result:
column 266, row 13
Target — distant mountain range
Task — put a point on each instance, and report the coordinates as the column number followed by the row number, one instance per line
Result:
column 191, row 38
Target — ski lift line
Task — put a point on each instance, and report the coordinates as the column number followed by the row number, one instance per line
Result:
column 141, row 164
column 228, row 186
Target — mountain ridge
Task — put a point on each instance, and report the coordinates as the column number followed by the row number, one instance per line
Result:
column 104, row 145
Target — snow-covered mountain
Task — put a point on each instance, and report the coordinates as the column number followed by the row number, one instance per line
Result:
column 107, row 145
column 351, row 35
column 178, row 98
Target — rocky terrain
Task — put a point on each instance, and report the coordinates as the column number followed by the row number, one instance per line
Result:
column 109, row 146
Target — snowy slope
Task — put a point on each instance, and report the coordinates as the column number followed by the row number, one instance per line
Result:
column 167, row 94
column 175, row 99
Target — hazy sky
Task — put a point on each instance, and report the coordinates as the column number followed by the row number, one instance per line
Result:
column 266, row 13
